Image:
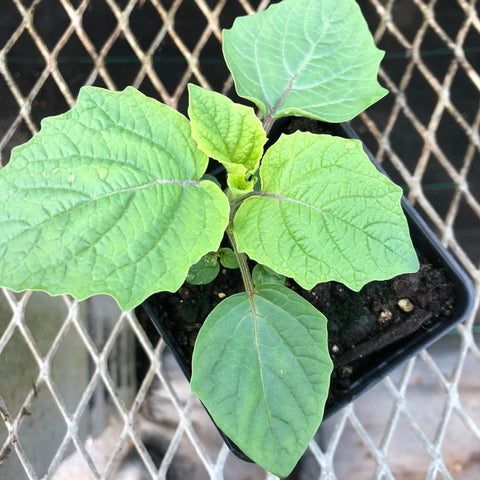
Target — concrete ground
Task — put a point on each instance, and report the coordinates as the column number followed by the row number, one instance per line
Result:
column 425, row 403
column 407, row 457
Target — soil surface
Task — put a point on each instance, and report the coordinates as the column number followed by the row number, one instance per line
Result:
column 360, row 324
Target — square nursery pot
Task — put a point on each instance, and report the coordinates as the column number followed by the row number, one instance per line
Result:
column 371, row 332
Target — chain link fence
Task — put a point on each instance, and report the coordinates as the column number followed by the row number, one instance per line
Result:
column 87, row 391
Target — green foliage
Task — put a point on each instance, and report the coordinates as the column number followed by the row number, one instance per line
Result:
column 107, row 199
column 322, row 197
column 313, row 58
column 112, row 197
column 204, row 271
column 208, row 267
column 264, row 357
column 229, row 133
column 227, row 258
column 262, row 274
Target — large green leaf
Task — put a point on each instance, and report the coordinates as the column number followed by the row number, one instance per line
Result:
column 325, row 213
column 228, row 132
column 312, row 58
column 262, row 369
column 106, row 198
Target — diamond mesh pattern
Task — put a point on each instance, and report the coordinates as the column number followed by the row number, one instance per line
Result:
column 426, row 133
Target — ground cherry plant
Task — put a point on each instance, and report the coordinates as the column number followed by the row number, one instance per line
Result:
column 110, row 197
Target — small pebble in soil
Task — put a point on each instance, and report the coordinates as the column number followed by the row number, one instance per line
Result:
column 405, row 304
column 385, row 316
column 346, row 371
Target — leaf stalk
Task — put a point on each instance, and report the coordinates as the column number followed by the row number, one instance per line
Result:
column 242, row 262
column 267, row 123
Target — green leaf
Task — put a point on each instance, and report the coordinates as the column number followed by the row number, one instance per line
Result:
column 204, row 271
column 262, row 274
column 106, row 198
column 212, row 178
column 264, row 359
column 325, row 213
column 227, row 132
column 228, row 258
column 307, row 58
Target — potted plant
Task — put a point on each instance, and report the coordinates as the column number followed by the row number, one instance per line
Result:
column 110, row 197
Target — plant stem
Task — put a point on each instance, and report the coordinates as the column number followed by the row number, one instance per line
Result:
column 242, row 262
column 267, row 123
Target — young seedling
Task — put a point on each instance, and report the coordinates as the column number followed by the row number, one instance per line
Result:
column 110, row 198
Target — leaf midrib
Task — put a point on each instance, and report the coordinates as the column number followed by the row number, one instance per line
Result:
column 253, row 310
column 331, row 214
column 295, row 75
column 34, row 227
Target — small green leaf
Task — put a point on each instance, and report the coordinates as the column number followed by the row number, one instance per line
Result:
column 262, row 274
column 307, row 58
column 228, row 258
column 106, row 198
column 227, row 132
column 204, row 271
column 212, row 178
column 264, row 359
column 325, row 213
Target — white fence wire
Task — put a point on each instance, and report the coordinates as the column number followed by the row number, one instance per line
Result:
column 83, row 391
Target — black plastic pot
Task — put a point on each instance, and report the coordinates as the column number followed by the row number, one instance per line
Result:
column 378, row 364
column 381, row 363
